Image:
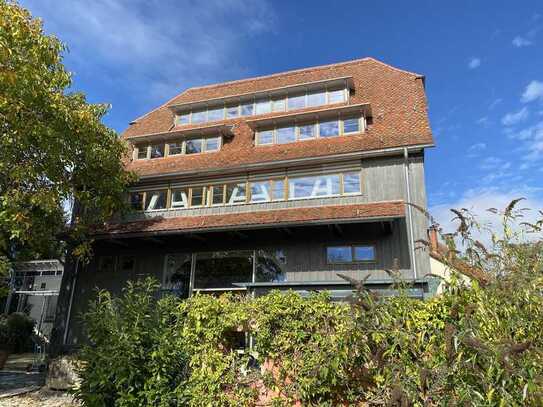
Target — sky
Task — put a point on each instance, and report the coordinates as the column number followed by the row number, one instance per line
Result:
column 483, row 62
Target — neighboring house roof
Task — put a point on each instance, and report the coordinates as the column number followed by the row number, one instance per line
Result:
column 398, row 105
column 279, row 217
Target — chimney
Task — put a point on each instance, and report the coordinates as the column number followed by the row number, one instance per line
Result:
column 433, row 239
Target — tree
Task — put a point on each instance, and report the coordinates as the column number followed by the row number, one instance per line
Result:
column 53, row 148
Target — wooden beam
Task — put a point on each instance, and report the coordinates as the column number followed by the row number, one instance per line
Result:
column 118, row 242
column 196, row 237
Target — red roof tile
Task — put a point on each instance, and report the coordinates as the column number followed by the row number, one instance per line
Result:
column 259, row 218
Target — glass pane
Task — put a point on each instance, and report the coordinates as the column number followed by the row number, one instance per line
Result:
column 156, row 200
column 127, row 263
column 364, row 253
column 175, row 148
column 199, row 116
column 296, row 101
column 223, row 269
column 351, row 182
column 307, row 132
column 212, row 144
column 218, row 194
column 260, row 191
column 142, row 153
column 316, row 98
column 312, row 187
column 263, row 106
column 336, row 96
column 264, row 137
column 106, row 264
column 270, row 266
column 279, row 105
column 180, row 198
column 197, row 197
column 157, row 151
column 136, row 201
column 215, row 114
column 278, row 190
column 236, row 193
column 232, row 111
column 339, row 254
column 177, row 276
column 193, row 146
column 329, row 129
column 351, row 125
column 285, row 135
column 183, row 118
column 247, row 109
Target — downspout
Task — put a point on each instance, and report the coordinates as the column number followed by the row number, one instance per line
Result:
column 409, row 212
column 69, row 314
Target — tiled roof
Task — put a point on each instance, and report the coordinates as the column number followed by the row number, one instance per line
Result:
column 397, row 100
column 279, row 217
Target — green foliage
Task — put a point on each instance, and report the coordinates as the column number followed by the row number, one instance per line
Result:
column 53, row 147
column 16, row 332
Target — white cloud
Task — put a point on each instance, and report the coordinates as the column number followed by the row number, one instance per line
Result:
column 474, row 63
column 493, row 163
column 475, row 149
column 153, row 50
column 533, row 91
column 495, row 103
column 483, row 121
column 510, row 119
column 531, row 139
column 519, row 42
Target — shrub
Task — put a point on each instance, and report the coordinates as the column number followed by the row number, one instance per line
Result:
column 16, row 332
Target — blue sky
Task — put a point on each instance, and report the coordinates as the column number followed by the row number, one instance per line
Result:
column 483, row 62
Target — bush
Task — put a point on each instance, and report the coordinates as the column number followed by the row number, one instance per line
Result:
column 476, row 344
column 16, row 332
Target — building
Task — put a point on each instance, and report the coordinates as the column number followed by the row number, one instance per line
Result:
column 281, row 181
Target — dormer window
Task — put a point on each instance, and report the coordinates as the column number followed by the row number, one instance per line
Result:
column 177, row 147
column 157, row 151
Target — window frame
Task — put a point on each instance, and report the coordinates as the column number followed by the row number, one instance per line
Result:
column 352, row 246
column 166, row 206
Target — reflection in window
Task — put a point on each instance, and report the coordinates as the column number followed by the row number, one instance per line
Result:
column 316, row 98
column 351, row 125
column 156, row 200
column 175, row 148
column 307, row 132
column 218, row 194
column 180, row 198
column 199, row 116
column 142, row 153
column 351, row 182
column 223, row 269
column 364, row 253
column 177, row 275
column 136, row 201
column 263, row 106
column 278, row 105
column 264, row 137
column 312, row 187
column 339, row 254
column 212, row 144
column 247, row 109
column 236, row 193
column 197, row 197
column 260, row 191
column 278, row 190
column 193, row 146
column 296, row 102
column 183, row 118
column 285, row 135
column 336, row 96
column 157, row 151
column 329, row 129
column 215, row 114
column 270, row 266
column 232, row 111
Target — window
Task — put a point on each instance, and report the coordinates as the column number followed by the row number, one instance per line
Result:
column 128, row 263
column 263, row 106
column 215, row 114
column 106, row 264
column 218, row 194
column 247, row 109
column 285, row 135
column 312, row 187
column 142, row 153
column 336, row 96
column 270, row 266
column 278, row 105
column 157, row 151
column 351, row 125
column 339, row 254
column 307, row 132
column 316, row 98
column 232, row 111
column 236, row 193
column 351, row 182
column 175, row 148
column 350, row 254
column 193, row 146
column 136, row 201
column 180, row 198
column 223, row 269
column 199, row 116
column 296, row 102
column 183, row 118
column 329, row 129
column 260, row 191
column 212, row 144
column 278, row 191
column 156, row 200
column 197, row 196
column 264, row 137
